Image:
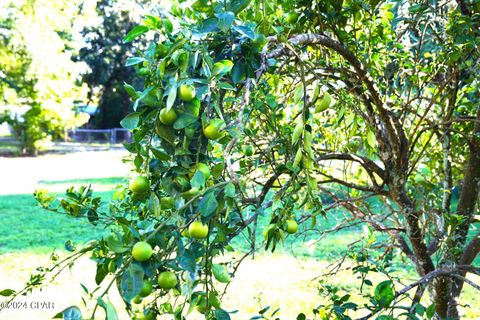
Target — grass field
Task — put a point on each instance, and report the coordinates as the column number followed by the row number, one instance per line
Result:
column 285, row 279
column 27, row 227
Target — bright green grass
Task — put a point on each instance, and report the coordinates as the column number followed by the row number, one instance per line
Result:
column 27, row 227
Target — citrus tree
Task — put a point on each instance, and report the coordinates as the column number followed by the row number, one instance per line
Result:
column 290, row 109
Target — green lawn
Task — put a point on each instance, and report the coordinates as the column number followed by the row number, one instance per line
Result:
column 9, row 147
column 27, row 227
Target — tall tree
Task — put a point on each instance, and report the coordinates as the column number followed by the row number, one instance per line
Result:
column 40, row 80
column 106, row 56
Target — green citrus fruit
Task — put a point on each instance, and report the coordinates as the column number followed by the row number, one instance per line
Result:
column 291, row 17
column 167, row 117
column 148, row 315
column 213, row 300
column 139, row 184
column 137, row 300
column 212, row 132
column 259, row 41
column 142, row 251
column 167, row 280
column 186, row 92
column 146, row 289
column 142, row 71
column 202, row 305
column 248, row 150
column 202, row 167
column 161, row 50
column 462, row 109
column 190, row 193
column 167, row 203
column 292, row 226
column 198, row 230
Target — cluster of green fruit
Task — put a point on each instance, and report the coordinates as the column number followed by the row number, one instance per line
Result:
column 142, row 251
column 186, row 93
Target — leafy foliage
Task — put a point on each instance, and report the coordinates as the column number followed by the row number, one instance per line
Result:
column 37, row 95
column 345, row 104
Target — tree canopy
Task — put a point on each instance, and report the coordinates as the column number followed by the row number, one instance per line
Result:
column 39, row 93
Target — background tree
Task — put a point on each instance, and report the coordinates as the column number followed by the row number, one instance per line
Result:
column 40, row 93
column 106, row 56
column 371, row 107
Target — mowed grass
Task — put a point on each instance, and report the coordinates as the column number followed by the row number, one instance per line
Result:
column 285, row 279
column 27, row 227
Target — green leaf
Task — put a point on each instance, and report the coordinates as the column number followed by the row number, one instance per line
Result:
column 230, row 190
column 70, row 313
column 130, row 121
column 100, row 275
column 132, row 282
column 237, row 6
column 172, row 95
column 177, row 45
column 198, row 180
column 245, row 31
column 208, row 25
column 220, row 273
column 225, row 86
column 114, row 244
column 301, row 316
column 201, row 6
column 221, row 314
column 135, row 32
column 371, row 139
column 208, row 204
column 239, row 71
column 430, row 311
column 384, row 293
column 184, row 120
column 130, row 90
column 151, row 101
column 297, row 132
column 225, row 20
column 222, row 66
column 133, row 61
column 109, row 309
column 7, row 292
column 167, row 133
column 218, row 169
column 160, row 155
column 187, row 261
column 167, row 24
column 151, row 21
